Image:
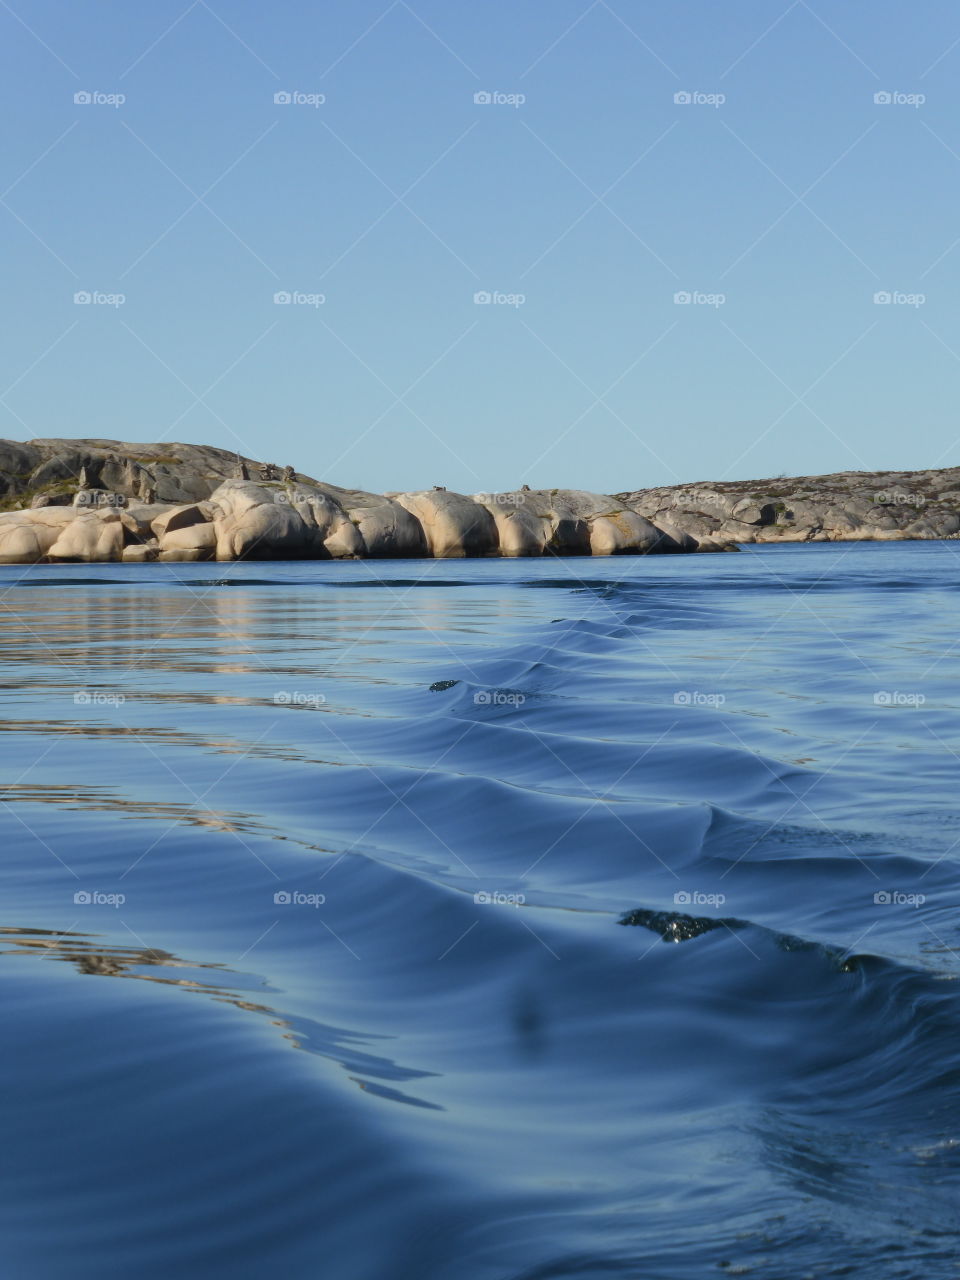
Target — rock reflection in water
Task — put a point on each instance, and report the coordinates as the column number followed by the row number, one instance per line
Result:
column 90, row 956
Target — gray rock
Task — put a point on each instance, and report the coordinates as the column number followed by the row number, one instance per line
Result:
column 882, row 505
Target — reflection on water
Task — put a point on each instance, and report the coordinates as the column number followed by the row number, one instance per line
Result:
column 90, row 956
column 103, row 800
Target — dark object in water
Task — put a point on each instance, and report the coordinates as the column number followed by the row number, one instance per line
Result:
column 674, row 926
column 438, row 686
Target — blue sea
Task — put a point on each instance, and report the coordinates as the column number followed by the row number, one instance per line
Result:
column 482, row 920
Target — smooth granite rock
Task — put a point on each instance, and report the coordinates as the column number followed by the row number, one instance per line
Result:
column 453, row 524
column 90, row 537
column 109, row 499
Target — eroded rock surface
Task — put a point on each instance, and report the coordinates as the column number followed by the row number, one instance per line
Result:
column 849, row 506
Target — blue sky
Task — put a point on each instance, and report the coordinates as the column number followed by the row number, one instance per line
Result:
column 582, row 199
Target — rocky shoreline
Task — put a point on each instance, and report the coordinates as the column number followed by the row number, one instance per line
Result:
column 107, row 500
column 849, row 506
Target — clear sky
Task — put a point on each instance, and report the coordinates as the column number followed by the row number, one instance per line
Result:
column 782, row 198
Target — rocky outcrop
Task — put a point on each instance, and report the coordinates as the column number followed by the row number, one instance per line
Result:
column 320, row 522
column 453, row 524
column 88, row 500
column 55, row 469
column 27, row 536
column 878, row 506
column 100, row 499
column 94, row 536
column 573, row 522
column 382, row 527
column 292, row 519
